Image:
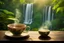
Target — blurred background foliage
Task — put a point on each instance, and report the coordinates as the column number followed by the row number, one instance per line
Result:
column 7, row 10
column 58, row 5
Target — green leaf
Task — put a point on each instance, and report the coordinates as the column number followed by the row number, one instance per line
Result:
column 53, row 1
column 1, row 2
column 55, row 7
column 7, row 12
column 58, row 9
column 22, row 1
column 12, row 18
column 62, row 4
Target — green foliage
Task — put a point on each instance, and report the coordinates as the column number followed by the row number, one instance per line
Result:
column 58, row 22
column 9, row 6
column 55, row 24
column 7, row 11
column 58, row 5
column 4, row 15
column 37, row 18
column 22, row 1
column 1, row 2
column 62, row 29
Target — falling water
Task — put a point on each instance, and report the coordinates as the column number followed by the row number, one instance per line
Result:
column 49, row 13
column 47, row 16
column 28, row 14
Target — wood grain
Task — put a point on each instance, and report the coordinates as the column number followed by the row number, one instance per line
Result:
column 35, row 36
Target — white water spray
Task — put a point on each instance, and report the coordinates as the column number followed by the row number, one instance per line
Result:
column 28, row 14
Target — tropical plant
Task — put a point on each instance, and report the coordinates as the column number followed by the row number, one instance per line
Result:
column 5, row 18
column 7, row 10
column 58, row 5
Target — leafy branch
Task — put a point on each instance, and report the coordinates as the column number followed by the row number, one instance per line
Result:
column 58, row 5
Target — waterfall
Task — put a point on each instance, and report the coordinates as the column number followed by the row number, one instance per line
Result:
column 47, row 16
column 49, row 13
column 28, row 14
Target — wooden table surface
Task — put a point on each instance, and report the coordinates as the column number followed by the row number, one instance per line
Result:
column 35, row 36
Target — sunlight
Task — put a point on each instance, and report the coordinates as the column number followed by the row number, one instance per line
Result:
column 40, row 3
